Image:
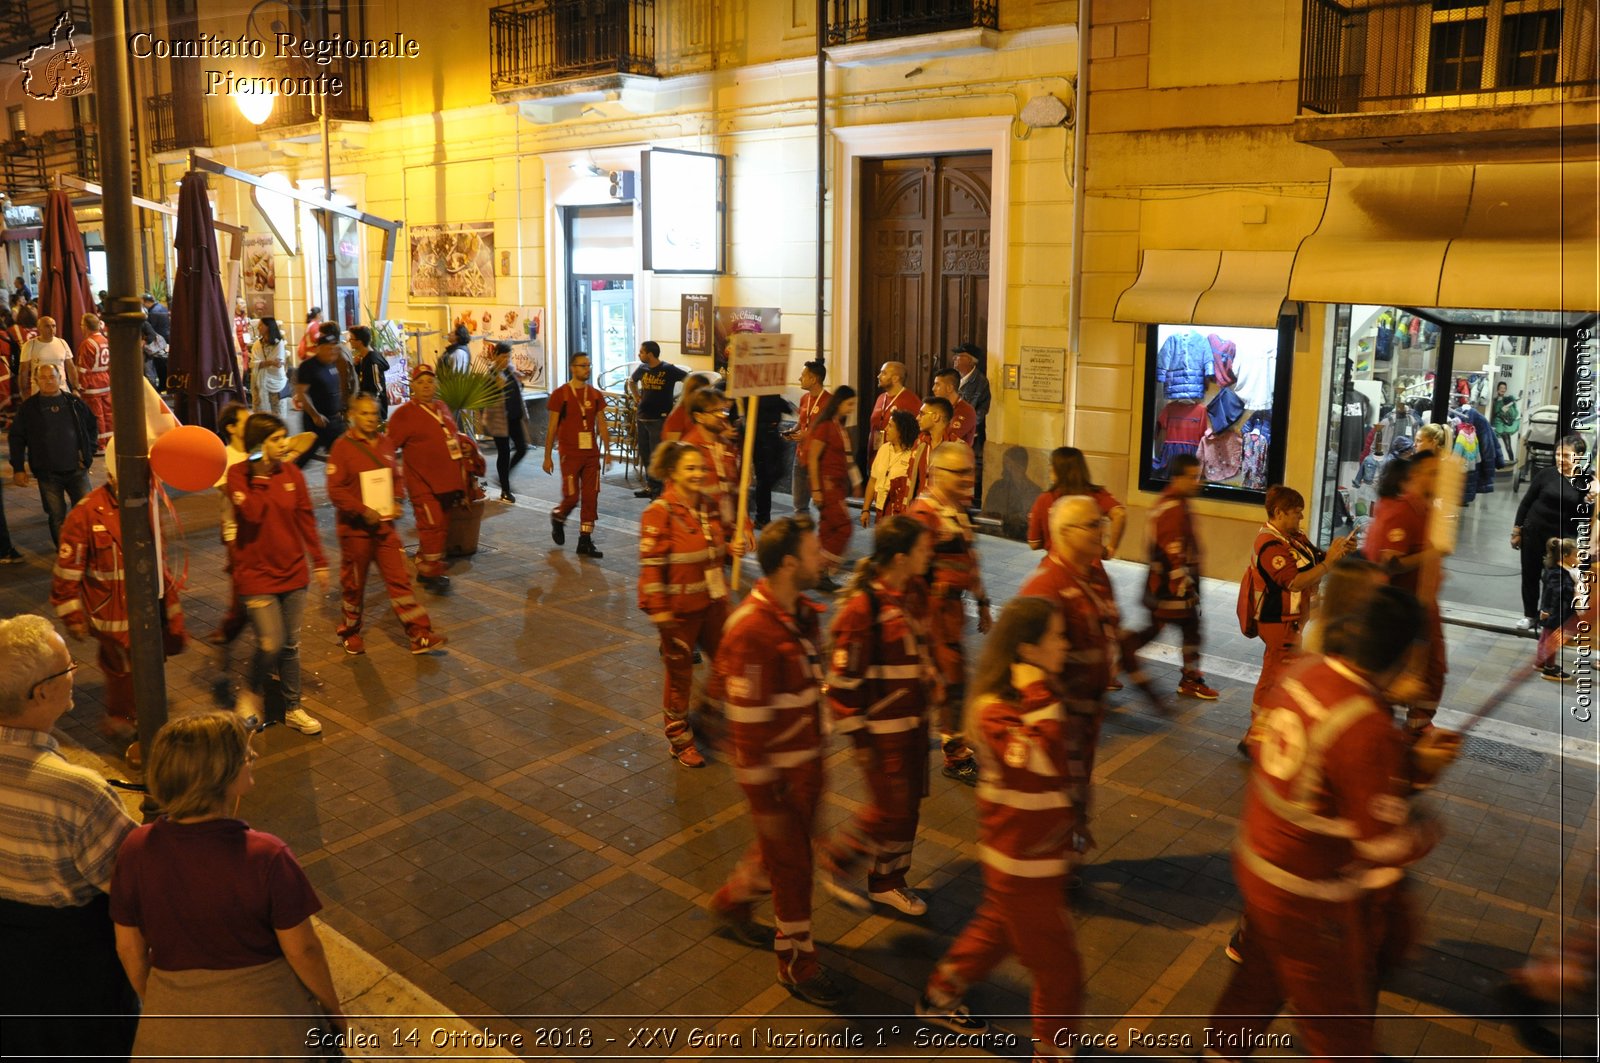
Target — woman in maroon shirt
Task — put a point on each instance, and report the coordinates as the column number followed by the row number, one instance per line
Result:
column 213, row 918
column 276, row 530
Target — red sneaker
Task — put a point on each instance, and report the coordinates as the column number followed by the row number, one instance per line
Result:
column 1195, row 687
column 427, row 644
column 689, row 757
column 354, row 645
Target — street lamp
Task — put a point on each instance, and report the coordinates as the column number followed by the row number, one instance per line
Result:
column 256, row 107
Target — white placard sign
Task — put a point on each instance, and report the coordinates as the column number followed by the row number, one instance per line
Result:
column 377, row 490
column 759, row 365
column 1042, row 375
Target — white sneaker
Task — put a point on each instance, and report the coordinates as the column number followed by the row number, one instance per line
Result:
column 302, row 721
column 906, row 900
column 1524, row 624
column 953, row 1017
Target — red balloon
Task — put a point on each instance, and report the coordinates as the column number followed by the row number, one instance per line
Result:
column 188, row 457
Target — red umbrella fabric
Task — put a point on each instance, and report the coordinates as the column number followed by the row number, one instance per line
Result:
column 64, row 291
column 202, row 369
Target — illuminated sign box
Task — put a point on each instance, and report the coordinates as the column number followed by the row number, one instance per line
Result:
column 684, row 220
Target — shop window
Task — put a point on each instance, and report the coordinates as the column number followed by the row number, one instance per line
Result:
column 16, row 122
column 1220, row 393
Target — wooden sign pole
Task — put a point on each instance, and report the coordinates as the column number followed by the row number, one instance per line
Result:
column 742, row 523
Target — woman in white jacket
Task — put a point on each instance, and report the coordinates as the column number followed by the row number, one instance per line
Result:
column 269, row 365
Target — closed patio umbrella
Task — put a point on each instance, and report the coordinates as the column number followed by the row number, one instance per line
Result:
column 64, row 291
column 203, row 368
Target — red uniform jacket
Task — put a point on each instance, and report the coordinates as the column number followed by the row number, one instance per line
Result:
column 955, row 558
column 906, row 400
column 1025, row 795
column 721, row 482
column 578, row 415
column 881, row 678
column 89, row 588
column 1039, row 515
column 809, row 408
column 1326, row 799
column 679, row 543
column 94, row 364
column 422, row 434
column 833, row 455
column 348, row 458
column 769, row 659
column 277, row 528
column 1174, row 582
column 1089, row 609
column 963, row 422
column 1399, row 527
column 1278, row 560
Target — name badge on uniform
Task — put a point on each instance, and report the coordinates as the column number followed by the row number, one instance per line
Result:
column 715, row 585
column 1016, row 750
column 453, row 445
column 585, row 440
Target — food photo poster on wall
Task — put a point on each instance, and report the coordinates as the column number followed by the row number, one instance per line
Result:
column 453, row 261
column 520, row 326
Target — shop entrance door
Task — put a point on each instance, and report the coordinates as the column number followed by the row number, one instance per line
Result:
column 925, row 265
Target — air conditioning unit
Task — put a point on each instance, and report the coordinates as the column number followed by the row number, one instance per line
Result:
column 621, row 184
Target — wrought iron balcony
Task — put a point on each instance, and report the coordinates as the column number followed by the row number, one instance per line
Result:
column 1402, row 55
column 26, row 24
column 177, row 124
column 850, row 21
column 29, row 164
column 540, row 41
column 349, row 106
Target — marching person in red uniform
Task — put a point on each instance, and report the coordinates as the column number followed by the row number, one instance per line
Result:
column 1031, row 821
column 712, row 434
column 367, row 535
column 1397, row 538
column 681, row 586
column 881, row 685
column 94, row 373
column 1287, row 567
column 1069, row 471
column 1173, row 592
column 832, row 473
column 770, row 662
column 963, row 426
column 1072, row 577
column 679, row 421
column 942, row 509
column 894, row 396
column 812, row 376
column 578, row 424
column 1325, row 807
column 89, row 593
column 934, row 420
column 441, row 469
column 276, row 531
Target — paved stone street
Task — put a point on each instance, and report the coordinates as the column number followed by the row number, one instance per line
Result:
column 501, row 831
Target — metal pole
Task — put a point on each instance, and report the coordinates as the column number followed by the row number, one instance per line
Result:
column 141, row 560
column 331, row 311
column 822, row 171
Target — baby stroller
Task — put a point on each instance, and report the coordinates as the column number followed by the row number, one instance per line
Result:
column 1539, row 443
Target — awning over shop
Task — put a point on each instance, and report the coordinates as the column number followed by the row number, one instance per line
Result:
column 1207, row 287
column 1516, row 235
column 32, row 232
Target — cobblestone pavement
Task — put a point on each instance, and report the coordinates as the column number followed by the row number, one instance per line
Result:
column 502, row 829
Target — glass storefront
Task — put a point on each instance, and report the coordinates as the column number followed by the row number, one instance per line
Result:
column 1500, row 383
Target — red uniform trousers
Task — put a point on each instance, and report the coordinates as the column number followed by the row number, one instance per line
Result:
column 1188, row 624
column 886, row 829
column 779, row 863
column 1282, row 642
column 95, row 391
column 433, row 527
column 833, row 522
column 947, row 622
column 580, row 478
column 1308, row 953
column 1390, row 918
column 1027, row 917
column 358, row 549
column 702, row 628
column 118, row 670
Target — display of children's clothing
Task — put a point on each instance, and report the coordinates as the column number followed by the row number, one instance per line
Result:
column 1223, row 352
column 1257, row 440
column 1182, row 425
column 1221, row 455
column 1255, row 375
column 1224, row 408
column 1184, row 364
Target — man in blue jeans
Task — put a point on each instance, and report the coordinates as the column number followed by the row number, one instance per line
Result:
column 651, row 387
column 54, row 434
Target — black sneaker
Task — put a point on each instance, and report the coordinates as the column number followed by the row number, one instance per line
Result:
column 746, row 931
column 436, row 584
column 963, row 771
column 1555, row 673
column 1234, row 950
column 954, row 1017
column 820, row 989
column 586, row 547
column 644, row 494
column 10, row 557
column 558, row 530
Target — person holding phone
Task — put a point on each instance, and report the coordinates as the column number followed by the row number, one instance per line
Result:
column 1288, row 566
column 363, row 474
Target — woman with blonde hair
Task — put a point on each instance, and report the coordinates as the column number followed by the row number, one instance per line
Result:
column 212, row 917
column 1032, row 819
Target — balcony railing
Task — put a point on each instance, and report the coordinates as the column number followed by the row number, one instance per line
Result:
column 1397, row 55
column 349, row 106
column 26, row 24
column 29, row 164
column 876, row 20
column 540, row 41
column 175, row 125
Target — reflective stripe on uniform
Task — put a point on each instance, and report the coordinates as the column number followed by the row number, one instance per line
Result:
column 1299, row 815
column 1023, row 799
column 1334, row 889
column 1048, row 868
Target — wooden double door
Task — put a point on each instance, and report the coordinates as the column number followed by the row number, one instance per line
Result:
column 924, row 265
